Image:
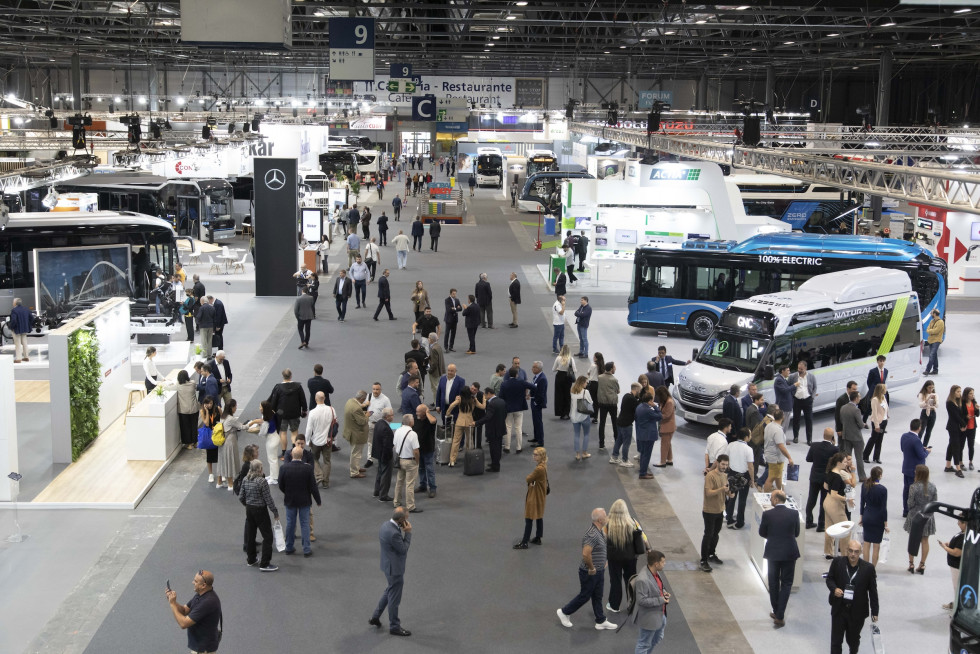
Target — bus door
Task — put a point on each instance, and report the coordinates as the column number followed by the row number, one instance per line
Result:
column 189, row 216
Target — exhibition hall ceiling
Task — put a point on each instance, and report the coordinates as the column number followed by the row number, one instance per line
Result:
column 492, row 37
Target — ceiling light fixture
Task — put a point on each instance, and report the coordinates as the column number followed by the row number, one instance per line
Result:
column 670, row 32
column 180, row 101
column 700, row 22
column 834, row 34
column 496, row 38
column 962, row 11
column 788, row 42
column 521, row 4
column 622, row 47
column 741, row 8
column 510, row 17
column 890, row 23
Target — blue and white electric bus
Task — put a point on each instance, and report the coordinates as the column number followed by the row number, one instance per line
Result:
column 689, row 285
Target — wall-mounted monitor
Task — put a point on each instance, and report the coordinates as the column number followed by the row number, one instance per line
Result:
column 975, row 232
column 601, row 229
column 312, row 224
column 925, row 224
column 601, row 241
column 626, row 236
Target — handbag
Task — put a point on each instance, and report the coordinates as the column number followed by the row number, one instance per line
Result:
column 279, row 536
column 204, row 439
column 218, row 434
column 582, row 405
column 639, row 547
column 793, row 472
column 396, row 464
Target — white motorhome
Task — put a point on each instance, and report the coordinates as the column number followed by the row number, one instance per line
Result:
column 838, row 323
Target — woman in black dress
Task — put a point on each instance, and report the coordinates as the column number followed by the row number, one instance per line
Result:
column 565, row 374
column 955, row 426
column 874, row 514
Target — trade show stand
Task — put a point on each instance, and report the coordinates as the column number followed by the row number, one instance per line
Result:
column 152, row 428
column 757, row 545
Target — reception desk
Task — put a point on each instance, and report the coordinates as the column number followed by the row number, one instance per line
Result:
column 152, row 429
column 757, row 544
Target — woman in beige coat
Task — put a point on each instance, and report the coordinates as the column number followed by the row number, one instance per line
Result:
column 834, row 505
column 534, row 501
column 668, row 425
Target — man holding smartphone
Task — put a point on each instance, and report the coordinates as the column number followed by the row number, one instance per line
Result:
column 396, row 538
column 201, row 616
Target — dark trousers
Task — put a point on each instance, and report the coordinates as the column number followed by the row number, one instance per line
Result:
column 806, row 408
column 816, row 492
column 604, row 411
column 303, row 327
column 591, row 589
column 712, row 527
column 874, row 443
column 449, row 339
column 372, row 268
column 496, row 443
column 382, row 482
column 417, row 243
column 539, row 532
column 538, row 423
column 969, row 436
column 780, row 585
column 486, row 316
column 257, row 519
column 845, row 626
column 360, row 292
column 471, row 334
column 189, row 325
column 906, row 484
column 645, row 448
column 570, row 272
column 390, row 599
column 398, row 213
column 434, row 243
column 619, row 576
column 954, row 451
column 382, row 237
column 928, row 422
column 341, row 302
column 386, row 305
column 188, row 427
column 735, row 506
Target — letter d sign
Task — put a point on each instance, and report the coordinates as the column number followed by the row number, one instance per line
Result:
column 424, row 107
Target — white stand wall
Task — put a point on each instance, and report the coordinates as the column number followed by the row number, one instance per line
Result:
column 8, row 428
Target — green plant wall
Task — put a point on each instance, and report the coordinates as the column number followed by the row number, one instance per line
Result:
column 84, row 380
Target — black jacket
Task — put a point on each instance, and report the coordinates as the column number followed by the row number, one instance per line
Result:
column 318, row 383
column 841, row 401
column 298, row 484
column 819, row 454
column 205, row 317
column 471, row 316
column 515, row 291
column 495, row 418
column 453, row 308
column 220, row 317
column 384, row 290
column 627, row 410
column 288, row 400
column 221, row 371
column 731, row 409
column 780, row 526
column 435, row 229
column 560, row 284
column 865, row 588
column 484, row 296
column 418, row 229
column 383, row 441
column 954, row 417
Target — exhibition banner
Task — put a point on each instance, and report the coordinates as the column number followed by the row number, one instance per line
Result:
column 487, row 91
column 275, row 225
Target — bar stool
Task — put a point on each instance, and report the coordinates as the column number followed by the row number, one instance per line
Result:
column 139, row 390
column 838, row 531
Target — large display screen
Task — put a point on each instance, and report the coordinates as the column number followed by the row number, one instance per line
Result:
column 312, row 225
column 975, row 232
column 65, row 278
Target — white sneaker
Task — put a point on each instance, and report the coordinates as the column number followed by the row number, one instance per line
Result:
column 231, row 488
column 613, row 459
column 636, row 457
column 565, row 622
column 609, row 608
column 605, row 625
column 626, row 464
column 210, row 479
column 218, row 485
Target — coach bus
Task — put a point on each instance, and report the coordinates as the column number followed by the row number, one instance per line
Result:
column 152, row 243
column 837, row 323
column 489, row 167
column 540, row 161
column 688, row 285
column 541, row 191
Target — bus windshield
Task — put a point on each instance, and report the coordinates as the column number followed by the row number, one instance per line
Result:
column 733, row 351
column 967, row 615
column 540, row 164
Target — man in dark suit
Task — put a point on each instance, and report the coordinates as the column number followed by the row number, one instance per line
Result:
column 539, row 402
column 450, row 385
column 342, row 289
column 298, row 485
column 731, row 408
column 514, row 290
column 318, row 384
column 654, row 376
column 220, row 320
column 853, row 586
column 471, row 320
column 783, row 391
column 396, row 538
column 877, row 375
column 913, row 454
column 410, row 396
column 514, row 392
column 665, row 363
column 451, row 320
column 852, row 440
column 844, row 398
column 207, row 385
column 484, row 298
column 780, row 526
column 496, row 424
column 384, row 296
column 381, row 447
column 819, row 454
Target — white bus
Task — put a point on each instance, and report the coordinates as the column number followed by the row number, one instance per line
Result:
column 489, row 167
column 368, row 166
column 539, row 161
column 838, row 323
column 787, row 199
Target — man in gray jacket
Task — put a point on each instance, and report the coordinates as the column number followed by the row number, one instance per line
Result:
column 853, row 439
column 303, row 310
column 205, row 322
column 652, row 599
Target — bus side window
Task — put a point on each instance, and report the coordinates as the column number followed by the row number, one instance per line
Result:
column 749, row 282
column 713, row 284
column 790, row 281
column 660, row 281
column 926, row 285
column 781, row 353
column 908, row 331
column 860, row 336
column 817, row 345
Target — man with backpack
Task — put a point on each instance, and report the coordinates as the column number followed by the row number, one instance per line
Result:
column 289, row 403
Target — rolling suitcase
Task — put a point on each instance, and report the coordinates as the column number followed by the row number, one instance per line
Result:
column 474, row 462
column 444, row 443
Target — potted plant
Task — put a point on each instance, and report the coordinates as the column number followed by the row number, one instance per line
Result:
column 198, row 350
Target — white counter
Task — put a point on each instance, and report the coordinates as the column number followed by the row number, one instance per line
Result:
column 152, row 429
column 757, row 544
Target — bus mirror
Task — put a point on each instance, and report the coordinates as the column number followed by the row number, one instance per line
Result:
column 768, row 373
column 694, row 353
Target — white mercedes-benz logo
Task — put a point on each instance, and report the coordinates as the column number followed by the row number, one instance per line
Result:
column 275, row 179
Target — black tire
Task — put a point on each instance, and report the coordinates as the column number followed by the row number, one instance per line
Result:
column 700, row 325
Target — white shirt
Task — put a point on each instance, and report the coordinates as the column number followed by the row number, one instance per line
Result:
column 740, row 455
column 372, row 251
column 150, row 369
column 402, row 434
column 318, row 424
column 376, row 405
column 449, row 388
column 557, row 317
column 178, row 291
column 803, row 390
column 716, row 445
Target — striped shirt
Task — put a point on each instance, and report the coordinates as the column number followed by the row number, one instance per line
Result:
column 255, row 492
column 597, row 540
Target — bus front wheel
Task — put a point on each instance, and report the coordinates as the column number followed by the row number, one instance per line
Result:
column 701, row 324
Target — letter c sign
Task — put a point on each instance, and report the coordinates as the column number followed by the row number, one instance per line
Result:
column 424, row 108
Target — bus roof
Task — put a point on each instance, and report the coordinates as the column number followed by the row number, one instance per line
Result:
column 561, row 174
column 84, row 219
column 797, row 243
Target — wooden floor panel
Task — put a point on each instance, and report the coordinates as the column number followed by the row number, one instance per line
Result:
column 102, row 473
column 32, row 391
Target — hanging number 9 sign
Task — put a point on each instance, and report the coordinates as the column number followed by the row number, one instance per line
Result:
column 360, row 34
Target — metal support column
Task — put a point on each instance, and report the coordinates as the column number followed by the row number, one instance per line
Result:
column 881, row 119
column 701, row 100
column 76, row 82
column 770, row 100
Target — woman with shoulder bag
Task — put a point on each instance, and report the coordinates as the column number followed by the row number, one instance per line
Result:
column 188, row 409
column 581, row 412
column 625, row 541
column 879, row 420
column 597, row 368
column 210, row 415
column 537, row 492
column 564, row 369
